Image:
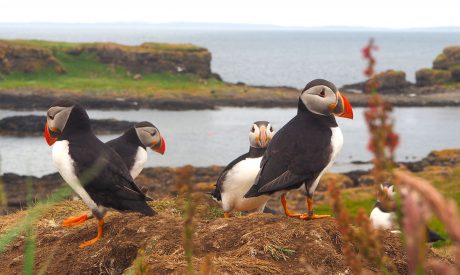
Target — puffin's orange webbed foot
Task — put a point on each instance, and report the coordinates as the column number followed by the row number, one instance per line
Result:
column 310, row 215
column 72, row 221
column 100, row 223
column 286, row 210
column 313, row 216
column 226, row 215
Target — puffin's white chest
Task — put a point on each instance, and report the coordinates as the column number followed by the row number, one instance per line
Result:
column 139, row 160
column 63, row 162
column 237, row 183
column 65, row 165
column 336, row 144
column 382, row 220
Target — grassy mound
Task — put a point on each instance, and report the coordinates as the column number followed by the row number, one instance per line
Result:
column 259, row 243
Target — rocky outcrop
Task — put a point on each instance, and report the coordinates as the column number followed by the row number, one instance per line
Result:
column 33, row 125
column 446, row 68
column 455, row 71
column 152, row 57
column 391, row 81
column 430, row 77
column 26, row 59
column 449, row 57
column 447, row 157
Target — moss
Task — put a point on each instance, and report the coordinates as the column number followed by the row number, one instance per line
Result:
column 440, row 58
column 429, row 77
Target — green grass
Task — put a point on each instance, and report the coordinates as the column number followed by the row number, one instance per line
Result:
column 58, row 45
column 278, row 252
column 353, row 199
column 84, row 74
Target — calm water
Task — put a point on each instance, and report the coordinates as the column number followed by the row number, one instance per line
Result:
column 289, row 58
column 203, row 138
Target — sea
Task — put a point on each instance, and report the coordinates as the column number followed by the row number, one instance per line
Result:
column 216, row 137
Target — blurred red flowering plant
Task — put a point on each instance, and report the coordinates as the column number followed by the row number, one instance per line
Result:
column 383, row 141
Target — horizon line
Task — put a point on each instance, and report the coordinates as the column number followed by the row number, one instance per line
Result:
column 183, row 24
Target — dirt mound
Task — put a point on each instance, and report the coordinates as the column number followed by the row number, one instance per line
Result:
column 256, row 244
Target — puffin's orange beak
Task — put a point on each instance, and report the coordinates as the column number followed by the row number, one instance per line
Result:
column 161, row 147
column 342, row 108
column 49, row 139
column 263, row 138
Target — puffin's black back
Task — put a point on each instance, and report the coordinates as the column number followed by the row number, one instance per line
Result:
column 298, row 153
column 100, row 169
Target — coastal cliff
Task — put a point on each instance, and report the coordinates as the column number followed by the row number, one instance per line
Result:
column 151, row 57
column 27, row 56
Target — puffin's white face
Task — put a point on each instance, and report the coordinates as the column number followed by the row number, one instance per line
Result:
column 322, row 100
column 318, row 99
column 150, row 137
column 56, row 119
column 260, row 134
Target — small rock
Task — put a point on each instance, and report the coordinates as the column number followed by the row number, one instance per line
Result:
column 137, row 77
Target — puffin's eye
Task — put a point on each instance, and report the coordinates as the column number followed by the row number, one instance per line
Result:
column 271, row 129
column 322, row 93
column 253, row 129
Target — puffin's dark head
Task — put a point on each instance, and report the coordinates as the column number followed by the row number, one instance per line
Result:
column 322, row 97
column 260, row 134
column 386, row 192
column 386, row 198
column 150, row 136
column 57, row 117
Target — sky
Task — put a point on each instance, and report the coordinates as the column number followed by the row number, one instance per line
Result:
column 395, row 14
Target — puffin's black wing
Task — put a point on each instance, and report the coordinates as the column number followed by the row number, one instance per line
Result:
column 433, row 236
column 126, row 150
column 106, row 178
column 216, row 193
column 297, row 153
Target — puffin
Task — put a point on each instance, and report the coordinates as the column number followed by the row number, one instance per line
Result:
column 239, row 175
column 131, row 146
column 92, row 169
column 303, row 149
column 383, row 215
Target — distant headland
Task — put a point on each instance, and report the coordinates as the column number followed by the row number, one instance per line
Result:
column 178, row 77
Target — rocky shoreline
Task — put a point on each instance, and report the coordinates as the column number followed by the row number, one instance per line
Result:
column 411, row 96
column 160, row 182
column 32, row 125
